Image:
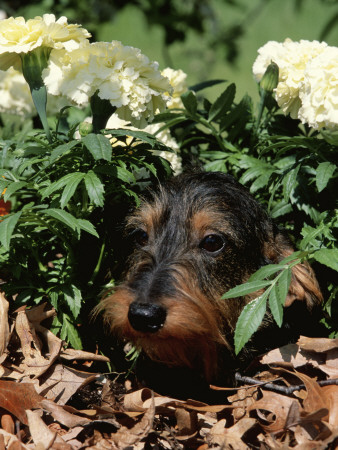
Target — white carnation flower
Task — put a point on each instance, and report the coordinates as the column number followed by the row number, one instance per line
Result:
column 319, row 91
column 177, row 80
column 291, row 58
column 118, row 73
column 20, row 37
column 15, row 94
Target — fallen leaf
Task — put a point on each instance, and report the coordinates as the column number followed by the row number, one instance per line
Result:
column 71, row 354
column 4, row 326
column 331, row 395
column 41, row 434
column 62, row 416
column 126, row 437
column 186, row 422
column 230, row 437
column 278, row 407
column 18, row 397
column 60, row 383
column 317, row 344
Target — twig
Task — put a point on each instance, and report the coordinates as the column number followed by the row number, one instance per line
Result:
column 287, row 390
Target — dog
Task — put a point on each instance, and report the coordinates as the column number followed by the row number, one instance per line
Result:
column 196, row 237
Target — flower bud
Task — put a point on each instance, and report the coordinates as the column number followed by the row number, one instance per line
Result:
column 85, row 128
column 269, row 80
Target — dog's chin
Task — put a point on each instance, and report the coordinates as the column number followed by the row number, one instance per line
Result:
column 190, row 337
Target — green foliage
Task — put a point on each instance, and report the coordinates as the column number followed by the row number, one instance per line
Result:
column 59, row 192
column 289, row 168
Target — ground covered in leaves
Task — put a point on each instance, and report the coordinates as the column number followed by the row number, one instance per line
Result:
column 47, row 402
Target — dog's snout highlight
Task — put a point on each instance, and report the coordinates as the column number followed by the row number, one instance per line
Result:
column 146, row 317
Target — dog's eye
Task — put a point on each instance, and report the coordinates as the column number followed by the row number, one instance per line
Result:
column 212, row 243
column 141, row 237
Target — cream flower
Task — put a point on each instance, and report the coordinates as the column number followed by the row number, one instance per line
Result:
column 120, row 74
column 291, row 58
column 16, row 97
column 177, row 80
column 18, row 36
column 319, row 91
column 164, row 136
column 15, row 94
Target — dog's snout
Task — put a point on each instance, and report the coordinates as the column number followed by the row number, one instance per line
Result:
column 146, row 317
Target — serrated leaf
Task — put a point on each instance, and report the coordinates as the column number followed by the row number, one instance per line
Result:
column 190, row 102
column 289, row 182
column 246, row 288
column 280, row 209
column 12, row 188
column 266, row 271
column 69, row 333
column 87, row 226
column 61, row 150
column 324, row 172
column 124, row 175
column 94, row 188
column 328, row 257
column 283, row 285
column 73, row 298
column 249, row 320
column 99, row 146
column 7, row 227
column 276, row 306
column 223, row 103
column 70, row 188
column 59, row 184
column 62, row 216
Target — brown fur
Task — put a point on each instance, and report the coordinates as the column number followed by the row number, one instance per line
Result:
column 173, row 271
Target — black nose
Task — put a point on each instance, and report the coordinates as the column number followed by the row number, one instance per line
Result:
column 146, row 317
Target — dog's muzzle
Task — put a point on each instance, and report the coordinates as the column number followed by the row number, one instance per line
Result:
column 146, row 317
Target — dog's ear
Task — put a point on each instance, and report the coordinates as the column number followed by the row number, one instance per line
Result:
column 304, row 285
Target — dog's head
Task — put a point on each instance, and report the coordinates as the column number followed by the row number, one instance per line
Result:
column 195, row 238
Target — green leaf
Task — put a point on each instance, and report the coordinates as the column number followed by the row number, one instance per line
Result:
column 59, row 184
column 61, row 150
column 249, row 320
column 283, row 284
column 87, row 226
column 205, row 84
column 266, row 271
column 7, row 227
column 246, row 288
column 324, row 172
column 223, row 103
column 276, row 306
column 124, row 175
column 73, row 298
column 69, row 333
column 62, row 216
column 70, row 188
column 12, row 188
column 190, row 102
column 289, row 182
column 328, row 257
column 94, row 188
column 99, row 146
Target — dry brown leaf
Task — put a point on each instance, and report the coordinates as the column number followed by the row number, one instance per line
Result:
column 4, row 326
column 18, row 397
column 125, row 437
column 319, row 345
column 315, row 399
column 331, row 395
column 242, row 400
column 230, row 437
column 186, row 422
column 62, row 416
column 41, row 434
column 278, row 407
column 290, row 353
column 61, row 382
column 11, row 441
column 71, row 354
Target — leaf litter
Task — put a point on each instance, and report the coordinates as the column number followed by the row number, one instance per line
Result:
column 40, row 378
